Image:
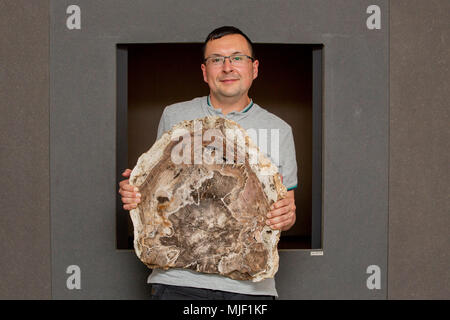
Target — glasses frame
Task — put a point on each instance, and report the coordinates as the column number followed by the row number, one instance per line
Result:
column 229, row 58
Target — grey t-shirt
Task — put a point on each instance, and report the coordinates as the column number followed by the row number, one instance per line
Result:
column 274, row 138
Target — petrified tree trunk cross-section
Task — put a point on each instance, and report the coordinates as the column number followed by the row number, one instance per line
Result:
column 207, row 216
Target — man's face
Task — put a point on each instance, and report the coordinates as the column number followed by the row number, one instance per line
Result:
column 228, row 80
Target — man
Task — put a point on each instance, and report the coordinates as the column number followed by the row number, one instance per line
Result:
column 229, row 69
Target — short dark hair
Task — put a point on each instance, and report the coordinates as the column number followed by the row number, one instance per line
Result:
column 224, row 31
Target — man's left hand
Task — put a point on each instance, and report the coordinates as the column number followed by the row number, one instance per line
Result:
column 282, row 214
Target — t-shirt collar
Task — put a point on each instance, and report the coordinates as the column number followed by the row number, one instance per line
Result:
column 219, row 111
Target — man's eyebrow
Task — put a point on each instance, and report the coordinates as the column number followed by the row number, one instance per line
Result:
column 219, row 55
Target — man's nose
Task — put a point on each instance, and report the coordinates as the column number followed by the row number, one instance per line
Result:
column 227, row 66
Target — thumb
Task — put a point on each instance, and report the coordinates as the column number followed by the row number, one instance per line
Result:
column 126, row 173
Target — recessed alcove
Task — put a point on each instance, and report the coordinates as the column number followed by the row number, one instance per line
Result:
column 152, row 76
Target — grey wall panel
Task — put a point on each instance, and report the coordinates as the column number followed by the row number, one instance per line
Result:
column 25, row 261
column 419, row 238
column 355, row 136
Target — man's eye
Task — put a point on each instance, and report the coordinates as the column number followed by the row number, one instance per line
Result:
column 216, row 60
column 237, row 58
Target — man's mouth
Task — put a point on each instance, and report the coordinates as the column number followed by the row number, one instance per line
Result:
column 228, row 80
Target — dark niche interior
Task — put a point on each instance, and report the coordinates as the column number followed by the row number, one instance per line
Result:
column 289, row 84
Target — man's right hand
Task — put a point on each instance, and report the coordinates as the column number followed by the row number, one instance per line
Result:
column 130, row 194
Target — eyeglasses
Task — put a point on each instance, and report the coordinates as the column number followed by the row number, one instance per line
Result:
column 235, row 60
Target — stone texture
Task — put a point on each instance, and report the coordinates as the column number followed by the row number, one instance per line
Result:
column 210, row 216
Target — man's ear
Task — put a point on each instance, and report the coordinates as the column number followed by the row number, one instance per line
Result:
column 204, row 72
column 255, row 69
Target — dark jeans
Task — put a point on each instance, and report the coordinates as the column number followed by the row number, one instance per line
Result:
column 167, row 292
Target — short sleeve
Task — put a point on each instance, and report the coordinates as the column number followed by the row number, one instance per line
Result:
column 288, row 161
column 162, row 127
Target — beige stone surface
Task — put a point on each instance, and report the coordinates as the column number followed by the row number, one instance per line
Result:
column 209, row 216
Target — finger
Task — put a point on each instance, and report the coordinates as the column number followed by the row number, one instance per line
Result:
column 280, row 219
column 126, row 173
column 282, row 223
column 279, row 226
column 128, row 194
column 279, row 212
column 129, row 188
column 124, row 182
column 130, row 206
column 130, row 200
column 281, row 203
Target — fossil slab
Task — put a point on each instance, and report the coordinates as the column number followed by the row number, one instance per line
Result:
column 205, row 196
